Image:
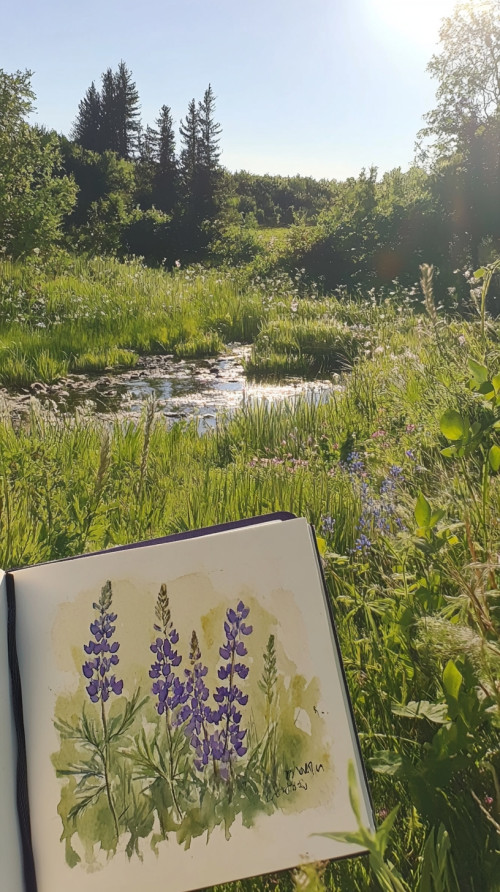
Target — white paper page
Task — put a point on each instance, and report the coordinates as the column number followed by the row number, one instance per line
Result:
column 269, row 570
column 10, row 843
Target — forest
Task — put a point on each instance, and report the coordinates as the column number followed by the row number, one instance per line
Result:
column 123, row 240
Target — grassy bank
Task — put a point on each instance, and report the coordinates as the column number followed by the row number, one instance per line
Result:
column 409, row 535
column 89, row 315
column 78, row 315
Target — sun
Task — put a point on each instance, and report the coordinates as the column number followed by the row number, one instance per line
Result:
column 416, row 21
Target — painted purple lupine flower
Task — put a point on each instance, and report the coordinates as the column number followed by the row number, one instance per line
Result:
column 104, row 653
column 167, row 687
column 195, row 712
column 227, row 742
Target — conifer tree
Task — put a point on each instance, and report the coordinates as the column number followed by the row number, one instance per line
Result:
column 87, row 127
column 189, row 153
column 127, row 112
column 109, row 120
column 109, row 128
column 208, row 156
column 165, row 187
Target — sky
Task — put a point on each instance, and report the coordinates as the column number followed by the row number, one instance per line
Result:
column 321, row 88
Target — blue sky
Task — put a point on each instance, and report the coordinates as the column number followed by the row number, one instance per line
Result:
column 317, row 87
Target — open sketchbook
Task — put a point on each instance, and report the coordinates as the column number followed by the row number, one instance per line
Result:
column 185, row 719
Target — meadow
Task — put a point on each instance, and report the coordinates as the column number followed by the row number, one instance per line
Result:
column 86, row 315
column 398, row 472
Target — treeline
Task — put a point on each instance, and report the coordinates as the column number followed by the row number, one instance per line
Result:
column 160, row 192
column 137, row 193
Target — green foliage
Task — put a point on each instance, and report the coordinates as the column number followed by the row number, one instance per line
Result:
column 109, row 121
column 465, row 68
column 33, row 196
column 388, row 878
column 416, row 612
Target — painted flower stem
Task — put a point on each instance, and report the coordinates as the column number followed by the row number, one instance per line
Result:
column 105, row 760
column 172, row 769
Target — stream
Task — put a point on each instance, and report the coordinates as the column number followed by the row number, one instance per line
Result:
column 183, row 389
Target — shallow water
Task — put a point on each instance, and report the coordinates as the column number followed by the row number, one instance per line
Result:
column 183, row 389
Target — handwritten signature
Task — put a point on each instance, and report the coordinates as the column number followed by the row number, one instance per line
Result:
column 300, row 770
column 294, row 779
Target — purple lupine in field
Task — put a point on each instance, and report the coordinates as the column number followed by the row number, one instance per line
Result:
column 227, row 742
column 379, row 510
column 167, row 687
column 104, row 653
column 195, row 713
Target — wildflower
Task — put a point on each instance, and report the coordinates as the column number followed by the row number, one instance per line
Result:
column 355, row 465
column 362, row 543
column 327, row 524
column 105, row 654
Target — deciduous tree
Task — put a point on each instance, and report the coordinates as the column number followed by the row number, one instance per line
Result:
column 34, row 196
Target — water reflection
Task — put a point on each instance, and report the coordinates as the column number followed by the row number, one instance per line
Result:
column 183, row 389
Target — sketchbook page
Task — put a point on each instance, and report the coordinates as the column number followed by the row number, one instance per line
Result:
column 184, row 713
column 10, row 844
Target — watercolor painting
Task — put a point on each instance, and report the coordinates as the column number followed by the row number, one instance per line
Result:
column 194, row 733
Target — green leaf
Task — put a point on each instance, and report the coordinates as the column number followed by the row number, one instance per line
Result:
column 486, row 389
column 387, row 762
column 480, row 273
column 494, row 457
column 354, row 791
column 383, row 832
column 496, row 382
column 449, row 451
column 452, row 680
column 355, row 839
column 479, row 371
column 436, row 516
column 452, row 425
column 321, row 543
column 423, row 709
column 422, row 511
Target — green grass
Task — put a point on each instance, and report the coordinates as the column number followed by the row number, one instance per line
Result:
column 412, row 610
column 88, row 315
column 302, row 346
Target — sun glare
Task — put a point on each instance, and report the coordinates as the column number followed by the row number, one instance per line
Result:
column 414, row 20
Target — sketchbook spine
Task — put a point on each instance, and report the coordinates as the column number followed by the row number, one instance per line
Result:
column 23, row 807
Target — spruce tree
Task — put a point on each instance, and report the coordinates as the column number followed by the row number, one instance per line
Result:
column 166, row 181
column 208, row 156
column 127, row 112
column 86, row 130
column 189, row 153
column 209, row 132
column 109, row 125
column 109, row 120
column 146, row 167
